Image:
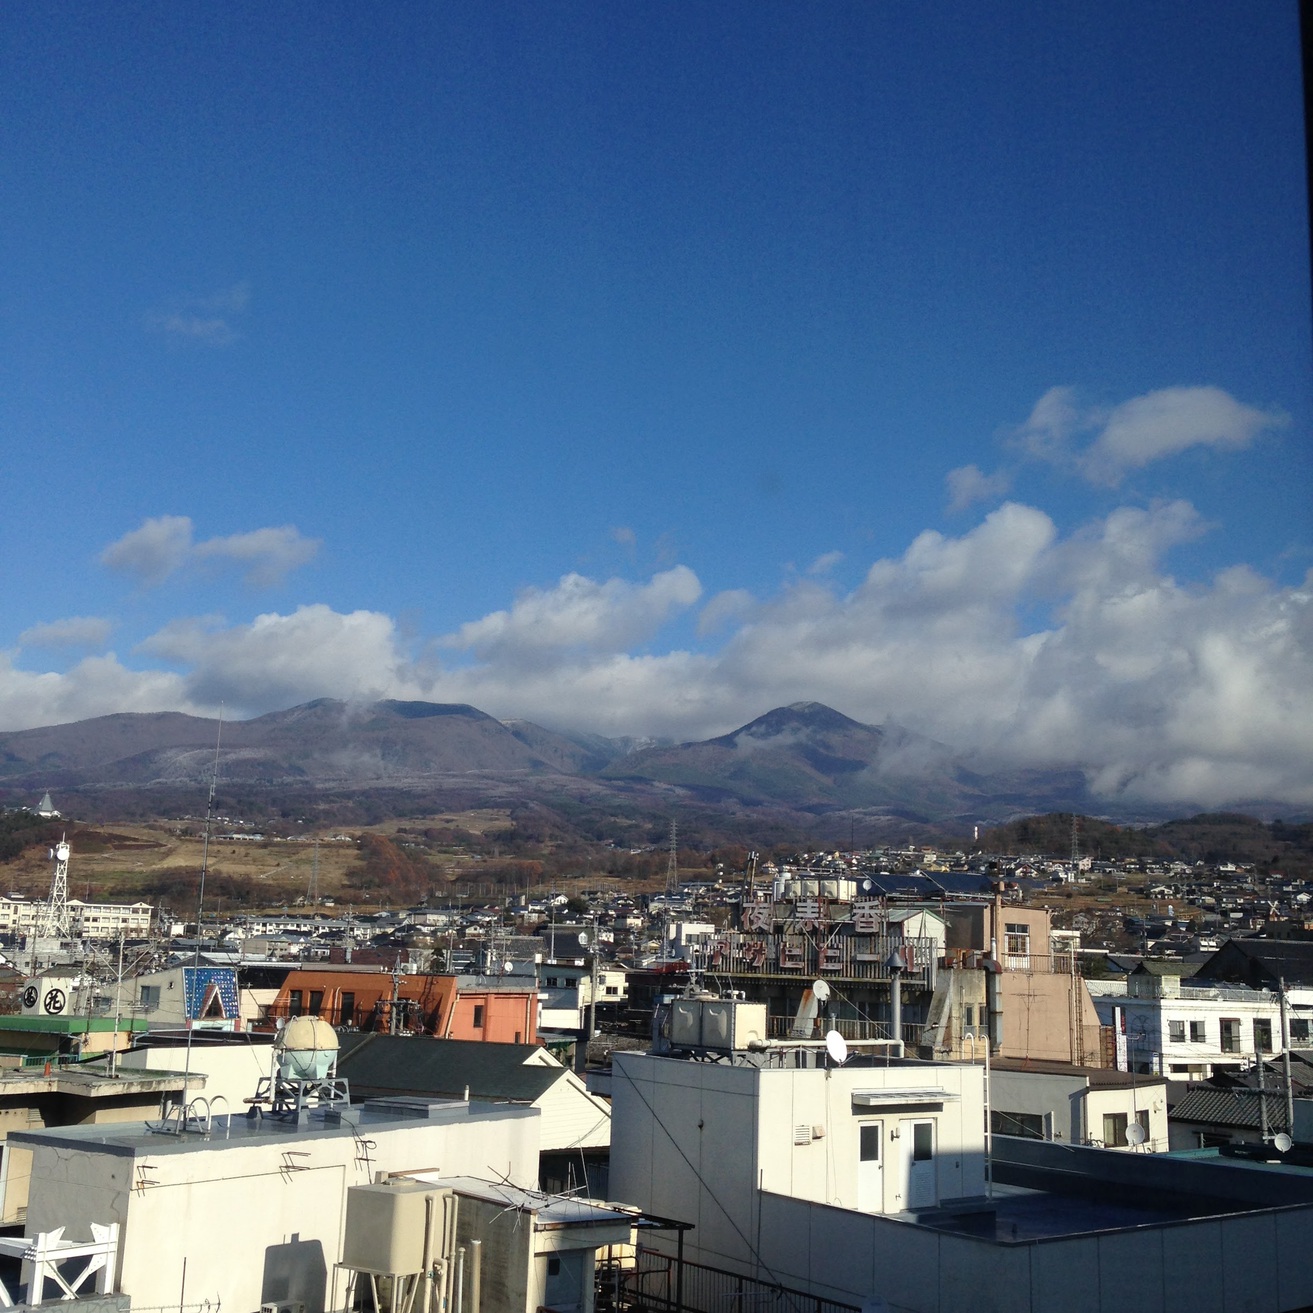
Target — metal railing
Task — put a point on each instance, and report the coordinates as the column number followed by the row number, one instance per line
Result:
column 650, row 1283
column 814, row 953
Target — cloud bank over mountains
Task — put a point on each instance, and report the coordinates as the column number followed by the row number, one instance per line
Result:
column 1165, row 692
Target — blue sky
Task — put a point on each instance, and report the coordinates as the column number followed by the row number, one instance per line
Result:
column 640, row 368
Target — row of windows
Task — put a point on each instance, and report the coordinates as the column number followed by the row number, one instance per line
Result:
column 1230, row 1032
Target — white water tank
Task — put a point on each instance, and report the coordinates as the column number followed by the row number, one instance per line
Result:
column 306, row 1048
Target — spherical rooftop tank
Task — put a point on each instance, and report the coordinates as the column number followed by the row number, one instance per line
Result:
column 306, row 1047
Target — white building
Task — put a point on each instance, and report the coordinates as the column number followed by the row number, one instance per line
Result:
column 865, row 1185
column 254, row 1211
column 565, row 992
column 1078, row 1105
column 711, row 1137
column 1186, row 1029
column 20, row 916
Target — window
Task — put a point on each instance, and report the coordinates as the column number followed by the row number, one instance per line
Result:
column 1230, row 1034
column 1028, row 1125
column 869, row 1147
column 1198, row 1032
column 347, row 1010
column 1262, row 1035
column 150, row 996
column 1176, row 1032
column 923, row 1139
column 294, row 1003
column 969, row 1014
column 1114, row 1128
column 316, row 1002
column 1017, row 939
column 478, row 1016
column 1298, row 1030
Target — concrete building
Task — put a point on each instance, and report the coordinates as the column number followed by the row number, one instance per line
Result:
column 243, row 1212
column 865, row 1187
column 20, row 916
column 1078, row 1105
column 1189, row 1029
column 503, row 1009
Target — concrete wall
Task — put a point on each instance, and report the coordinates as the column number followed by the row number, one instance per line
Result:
column 252, row 1220
column 232, row 1071
column 698, row 1141
column 1217, row 1265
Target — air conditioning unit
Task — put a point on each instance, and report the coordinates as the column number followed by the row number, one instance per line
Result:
column 291, row 1306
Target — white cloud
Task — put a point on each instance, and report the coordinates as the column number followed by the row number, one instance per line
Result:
column 73, row 631
column 280, row 660
column 1168, row 422
column 579, row 613
column 1195, row 695
column 1133, row 434
column 824, row 563
column 96, row 686
column 152, row 552
column 163, row 545
column 969, row 484
column 270, row 555
column 206, row 319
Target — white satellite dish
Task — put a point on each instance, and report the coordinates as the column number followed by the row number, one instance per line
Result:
column 1281, row 1142
column 820, row 991
column 507, row 967
column 837, row 1047
column 583, row 938
column 1135, row 1133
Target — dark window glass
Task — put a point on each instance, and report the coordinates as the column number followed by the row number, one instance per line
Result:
column 923, row 1135
column 870, row 1143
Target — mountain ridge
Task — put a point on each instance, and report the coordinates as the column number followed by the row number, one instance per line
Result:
column 803, row 758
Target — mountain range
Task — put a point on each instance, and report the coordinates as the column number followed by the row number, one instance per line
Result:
column 803, row 759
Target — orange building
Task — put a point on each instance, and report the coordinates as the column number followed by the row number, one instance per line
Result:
column 499, row 1009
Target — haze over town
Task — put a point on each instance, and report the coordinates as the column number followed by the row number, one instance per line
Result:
column 639, row 371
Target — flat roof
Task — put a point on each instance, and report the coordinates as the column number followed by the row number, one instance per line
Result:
column 129, row 1138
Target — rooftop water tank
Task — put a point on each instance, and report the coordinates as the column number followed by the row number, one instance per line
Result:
column 306, row 1048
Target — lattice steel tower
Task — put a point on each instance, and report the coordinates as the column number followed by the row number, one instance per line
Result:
column 54, row 920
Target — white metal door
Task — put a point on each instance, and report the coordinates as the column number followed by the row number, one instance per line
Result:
column 920, row 1186
column 870, row 1167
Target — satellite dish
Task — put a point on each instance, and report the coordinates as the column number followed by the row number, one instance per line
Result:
column 583, row 938
column 820, row 991
column 507, row 967
column 837, row 1047
column 1281, row 1142
column 1135, row 1133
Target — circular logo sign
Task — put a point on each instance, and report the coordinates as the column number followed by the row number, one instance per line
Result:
column 54, row 1000
column 30, row 996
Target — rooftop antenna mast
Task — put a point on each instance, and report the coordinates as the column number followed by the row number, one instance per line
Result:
column 1075, row 842
column 200, row 904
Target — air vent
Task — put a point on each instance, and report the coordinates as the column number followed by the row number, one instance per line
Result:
column 802, row 1135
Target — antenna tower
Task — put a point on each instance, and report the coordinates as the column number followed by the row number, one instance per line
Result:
column 54, row 920
column 672, row 865
column 1075, row 840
